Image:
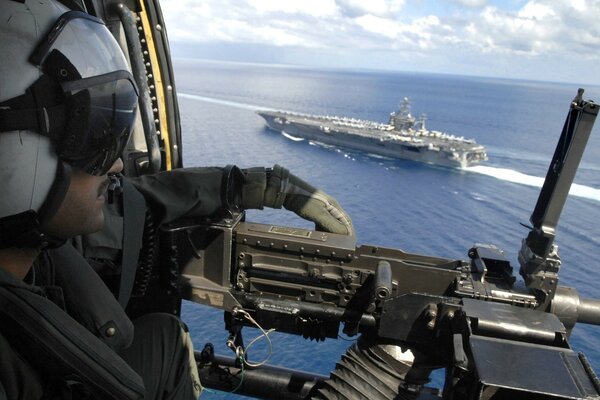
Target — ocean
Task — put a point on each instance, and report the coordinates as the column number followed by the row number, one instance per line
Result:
column 396, row 203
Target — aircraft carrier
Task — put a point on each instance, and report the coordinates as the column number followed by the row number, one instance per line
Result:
column 404, row 136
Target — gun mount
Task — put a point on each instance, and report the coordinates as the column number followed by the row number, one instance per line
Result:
column 496, row 336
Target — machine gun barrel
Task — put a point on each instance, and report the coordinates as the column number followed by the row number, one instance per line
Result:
column 383, row 280
column 589, row 311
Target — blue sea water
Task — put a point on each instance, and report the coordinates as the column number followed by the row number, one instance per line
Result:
column 395, row 203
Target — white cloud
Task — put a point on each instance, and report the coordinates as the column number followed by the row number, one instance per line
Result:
column 539, row 27
column 471, row 3
column 231, row 30
column 356, row 8
column 314, row 8
column 257, row 21
column 561, row 30
column 536, row 11
column 421, row 33
column 381, row 26
column 580, row 5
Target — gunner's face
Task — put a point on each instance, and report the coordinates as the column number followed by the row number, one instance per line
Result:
column 81, row 211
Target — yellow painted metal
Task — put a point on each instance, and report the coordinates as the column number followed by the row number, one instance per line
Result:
column 158, row 84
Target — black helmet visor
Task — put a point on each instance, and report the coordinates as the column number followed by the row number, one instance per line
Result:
column 100, row 95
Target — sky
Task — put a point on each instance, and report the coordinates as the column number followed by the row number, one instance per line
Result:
column 548, row 40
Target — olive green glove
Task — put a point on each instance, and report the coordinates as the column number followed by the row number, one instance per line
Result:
column 277, row 187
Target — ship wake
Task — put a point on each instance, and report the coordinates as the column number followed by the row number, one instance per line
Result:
column 510, row 175
column 214, row 100
column 294, row 138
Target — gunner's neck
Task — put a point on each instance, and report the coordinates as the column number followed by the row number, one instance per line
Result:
column 17, row 261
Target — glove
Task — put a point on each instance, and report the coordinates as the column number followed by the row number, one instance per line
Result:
column 276, row 187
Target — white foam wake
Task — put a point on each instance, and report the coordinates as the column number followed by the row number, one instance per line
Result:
column 511, row 175
column 223, row 102
column 294, row 138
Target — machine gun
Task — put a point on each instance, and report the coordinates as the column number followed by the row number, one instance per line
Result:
column 496, row 336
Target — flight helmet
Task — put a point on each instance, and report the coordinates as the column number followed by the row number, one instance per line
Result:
column 67, row 101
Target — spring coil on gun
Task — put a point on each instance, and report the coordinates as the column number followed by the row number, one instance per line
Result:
column 146, row 264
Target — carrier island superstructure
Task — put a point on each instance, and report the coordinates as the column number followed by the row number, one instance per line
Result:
column 404, row 136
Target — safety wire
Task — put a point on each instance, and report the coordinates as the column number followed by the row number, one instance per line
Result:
column 240, row 352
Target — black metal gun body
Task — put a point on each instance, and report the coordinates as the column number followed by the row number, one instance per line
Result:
column 320, row 277
column 453, row 313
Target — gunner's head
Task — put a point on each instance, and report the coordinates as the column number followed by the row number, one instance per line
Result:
column 67, row 106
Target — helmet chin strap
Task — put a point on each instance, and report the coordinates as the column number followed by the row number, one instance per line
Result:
column 24, row 230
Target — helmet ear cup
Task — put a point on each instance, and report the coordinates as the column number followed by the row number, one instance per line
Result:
column 25, row 210
column 28, row 166
column 28, row 161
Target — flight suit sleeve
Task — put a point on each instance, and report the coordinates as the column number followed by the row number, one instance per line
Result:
column 190, row 192
column 196, row 192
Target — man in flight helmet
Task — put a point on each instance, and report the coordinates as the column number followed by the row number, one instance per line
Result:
column 68, row 103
